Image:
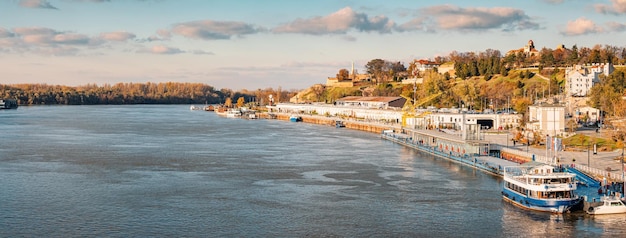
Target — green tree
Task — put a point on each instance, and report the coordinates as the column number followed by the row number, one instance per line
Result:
column 573, row 57
column 521, row 106
column 375, row 68
column 343, row 75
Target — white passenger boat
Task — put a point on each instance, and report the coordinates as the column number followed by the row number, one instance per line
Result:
column 537, row 187
column 610, row 205
column 233, row 113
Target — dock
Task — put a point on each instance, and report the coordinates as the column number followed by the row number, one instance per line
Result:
column 589, row 188
column 488, row 164
column 332, row 121
column 486, row 152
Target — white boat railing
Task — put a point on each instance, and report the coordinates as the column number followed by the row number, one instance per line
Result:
column 617, row 176
column 612, row 176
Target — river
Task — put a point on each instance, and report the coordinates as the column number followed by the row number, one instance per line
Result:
column 163, row 170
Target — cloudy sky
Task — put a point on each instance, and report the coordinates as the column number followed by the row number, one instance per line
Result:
column 291, row 44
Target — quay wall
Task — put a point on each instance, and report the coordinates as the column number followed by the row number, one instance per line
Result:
column 373, row 127
column 478, row 162
column 330, row 121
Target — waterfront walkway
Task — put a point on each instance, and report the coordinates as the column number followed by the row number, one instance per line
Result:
column 603, row 164
column 489, row 164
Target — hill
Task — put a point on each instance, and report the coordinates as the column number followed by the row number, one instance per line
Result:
column 477, row 92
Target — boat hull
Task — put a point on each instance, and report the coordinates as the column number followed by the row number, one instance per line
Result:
column 601, row 211
column 542, row 205
column 295, row 119
column 609, row 206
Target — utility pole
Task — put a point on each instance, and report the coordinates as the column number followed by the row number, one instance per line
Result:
column 588, row 149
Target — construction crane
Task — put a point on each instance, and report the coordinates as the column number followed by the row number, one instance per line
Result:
column 409, row 108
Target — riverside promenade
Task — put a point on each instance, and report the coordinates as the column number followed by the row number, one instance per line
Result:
column 602, row 165
column 392, row 132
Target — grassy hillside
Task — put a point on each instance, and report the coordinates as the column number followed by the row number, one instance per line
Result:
column 477, row 92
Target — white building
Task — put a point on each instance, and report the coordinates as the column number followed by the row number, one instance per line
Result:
column 548, row 119
column 588, row 114
column 371, row 102
column 423, row 65
column 356, row 112
column 580, row 78
column 455, row 120
column 450, row 121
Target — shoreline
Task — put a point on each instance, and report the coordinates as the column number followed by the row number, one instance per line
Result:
column 602, row 161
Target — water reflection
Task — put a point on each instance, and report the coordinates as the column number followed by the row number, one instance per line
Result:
column 535, row 224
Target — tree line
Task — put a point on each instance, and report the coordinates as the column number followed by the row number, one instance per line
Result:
column 134, row 93
column 490, row 62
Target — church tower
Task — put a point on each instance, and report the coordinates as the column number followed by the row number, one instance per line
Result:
column 352, row 74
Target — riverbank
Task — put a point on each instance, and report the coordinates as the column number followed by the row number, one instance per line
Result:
column 600, row 165
column 331, row 121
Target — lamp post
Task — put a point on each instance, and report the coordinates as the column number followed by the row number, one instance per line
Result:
column 588, row 163
column 623, row 182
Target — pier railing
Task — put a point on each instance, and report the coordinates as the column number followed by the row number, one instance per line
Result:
column 478, row 163
column 597, row 173
column 473, row 161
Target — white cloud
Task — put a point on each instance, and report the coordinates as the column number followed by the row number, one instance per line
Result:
column 96, row 1
column 201, row 52
column 554, row 1
column 616, row 26
column 416, row 24
column 36, row 4
column 617, row 7
column 117, row 36
column 47, row 36
column 339, row 22
column 42, row 40
column 212, row 30
column 4, row 33
column 450, row 17
column 164, row 50
column 71, row 38
column 34, row 31
column 581, row 26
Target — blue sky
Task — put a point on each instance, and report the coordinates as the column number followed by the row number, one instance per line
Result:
column 291, row 44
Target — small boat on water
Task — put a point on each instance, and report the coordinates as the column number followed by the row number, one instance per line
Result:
column 295, row 118
column 220, row 111
column 609, row 205
column 194, row 108
column 339, row 124
column 538, row 187
column 233, row 113
column 8, row 104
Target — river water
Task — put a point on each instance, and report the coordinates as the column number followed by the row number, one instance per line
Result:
column 163, row 170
